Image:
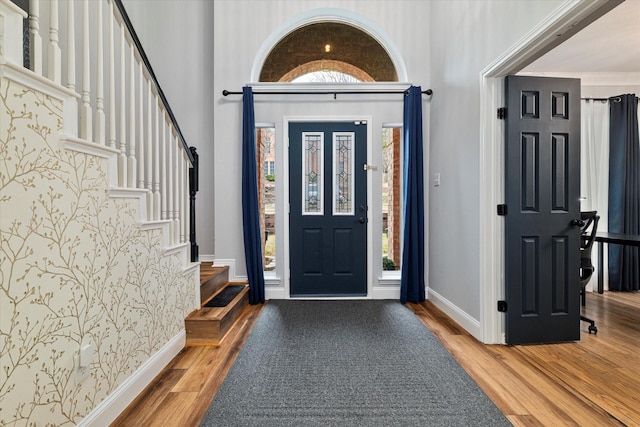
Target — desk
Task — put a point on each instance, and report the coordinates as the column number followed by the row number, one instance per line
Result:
column 611, row 238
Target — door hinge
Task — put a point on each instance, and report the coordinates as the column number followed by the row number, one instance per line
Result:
column 502, row 209
column 502, row 113
column 502, row 306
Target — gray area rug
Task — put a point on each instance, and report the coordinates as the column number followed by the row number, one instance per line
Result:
column 347, row 363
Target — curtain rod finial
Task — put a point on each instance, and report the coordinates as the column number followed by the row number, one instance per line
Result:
column 225, row 92
column 428, row 92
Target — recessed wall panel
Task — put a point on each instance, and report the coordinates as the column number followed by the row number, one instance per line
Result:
column 530, row 278
column 342, row 240
column 560, row 105
column 559, row 172
column 559, row 275
column 530, row 105
column 312, row 251
column 530, row 171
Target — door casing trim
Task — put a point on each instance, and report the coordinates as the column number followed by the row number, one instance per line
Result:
column 567, row 19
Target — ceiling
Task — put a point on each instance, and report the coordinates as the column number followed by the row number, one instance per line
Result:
column 610, row 44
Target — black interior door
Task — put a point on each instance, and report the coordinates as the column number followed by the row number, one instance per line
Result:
column 542, row 185
column 328, row 209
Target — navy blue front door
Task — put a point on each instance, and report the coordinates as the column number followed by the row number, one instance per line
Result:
column 328, row 209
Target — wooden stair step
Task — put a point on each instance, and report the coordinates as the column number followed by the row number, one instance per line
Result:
column 209, row 325
column 212, row 280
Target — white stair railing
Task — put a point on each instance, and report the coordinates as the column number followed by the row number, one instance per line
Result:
column 134, row 118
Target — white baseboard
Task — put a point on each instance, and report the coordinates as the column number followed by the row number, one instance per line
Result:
column 273, row 292
column 386, row 292
column 207, row 258
column 470, row 324
column 233, row 276
column 110, row 408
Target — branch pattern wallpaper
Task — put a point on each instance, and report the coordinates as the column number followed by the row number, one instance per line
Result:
column 75, row 269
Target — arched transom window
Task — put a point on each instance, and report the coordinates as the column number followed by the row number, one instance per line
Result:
column 346, row 52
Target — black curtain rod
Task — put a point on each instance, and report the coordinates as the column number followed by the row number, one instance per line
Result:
column 330, row 92
column 613, row 98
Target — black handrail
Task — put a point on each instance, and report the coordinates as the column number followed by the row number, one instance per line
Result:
column 145, row 60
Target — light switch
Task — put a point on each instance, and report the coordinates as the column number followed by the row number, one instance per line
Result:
column 86, row 355
column 436, row 179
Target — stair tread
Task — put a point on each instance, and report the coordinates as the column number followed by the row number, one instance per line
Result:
column 209, row 325
column 217, row 313
column 207, row 271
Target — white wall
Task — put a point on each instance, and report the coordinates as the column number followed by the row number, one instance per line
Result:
column 608, row 91
column 465, row 37
column 177, row 37
column 241, row 27
column 444, row 44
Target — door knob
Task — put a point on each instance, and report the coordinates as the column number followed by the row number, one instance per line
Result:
column 577, row 223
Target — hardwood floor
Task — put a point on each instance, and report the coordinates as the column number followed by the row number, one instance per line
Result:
column 593, row 382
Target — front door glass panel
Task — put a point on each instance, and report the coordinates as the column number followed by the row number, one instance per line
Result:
column 343, row 173
column 312, row 173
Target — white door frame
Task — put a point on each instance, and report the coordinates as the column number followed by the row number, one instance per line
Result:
column 285, row 213
column 566, row 20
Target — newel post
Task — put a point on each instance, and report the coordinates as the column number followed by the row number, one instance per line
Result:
column 193, row 189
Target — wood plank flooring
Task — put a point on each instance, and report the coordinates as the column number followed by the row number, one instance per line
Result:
column 593, row 382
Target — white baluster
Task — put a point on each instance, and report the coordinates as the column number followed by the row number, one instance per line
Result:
column 71, row 45
column 35, row 39
column 131, row 160
column 112, row 81
column 122, row 158
column 178, row 200
column 100, row 131
column 187, row 204
column 185, row 197
column 148, row 161
column 85, row 111
column 141, row 141
column 165, row 169
column 54, row 64
column 156, row 163
column 175, row 173
column 169, row 182
column 180, row 194
column 180, row 187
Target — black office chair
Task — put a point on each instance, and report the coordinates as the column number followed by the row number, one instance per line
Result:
column 587, row 237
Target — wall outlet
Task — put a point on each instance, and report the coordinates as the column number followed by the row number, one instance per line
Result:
column 436, row 179
column 82, row 372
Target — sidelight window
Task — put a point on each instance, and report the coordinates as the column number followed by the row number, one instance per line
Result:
column 265, row 140
column 391, row 198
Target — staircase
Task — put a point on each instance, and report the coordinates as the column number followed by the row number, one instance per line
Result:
column 209, row 325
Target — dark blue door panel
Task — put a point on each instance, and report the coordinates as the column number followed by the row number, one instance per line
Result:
column 328, row 250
